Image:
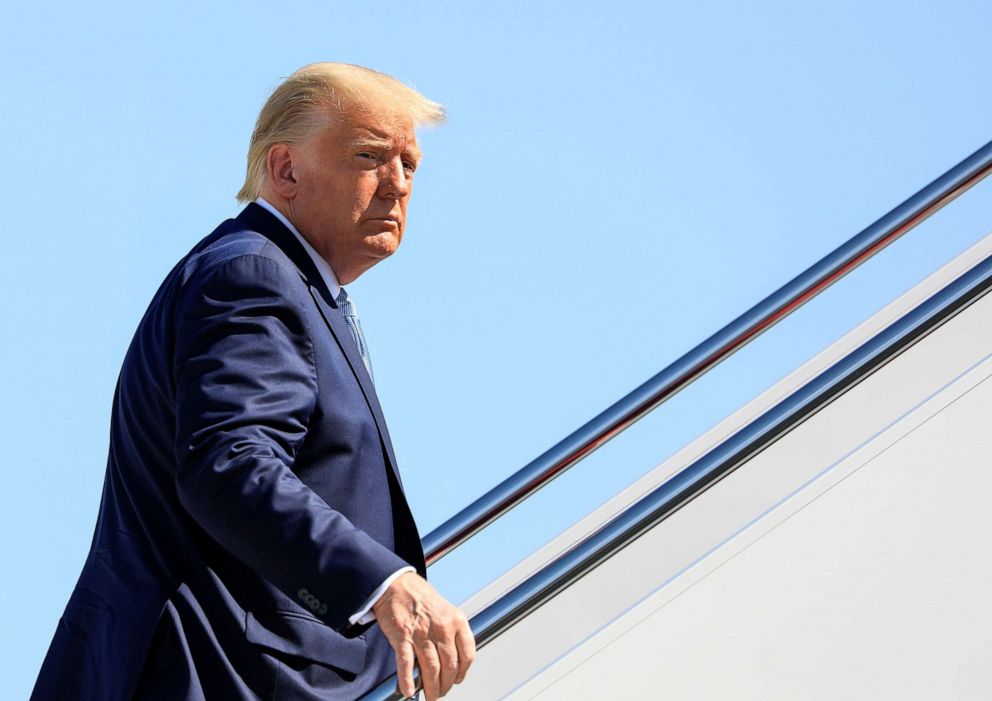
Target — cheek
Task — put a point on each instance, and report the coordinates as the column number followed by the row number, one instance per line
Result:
column 353, row 203
column 344, row 197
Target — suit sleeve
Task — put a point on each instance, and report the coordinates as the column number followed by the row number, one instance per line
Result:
column 246, row 389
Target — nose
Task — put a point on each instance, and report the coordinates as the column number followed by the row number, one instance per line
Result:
column 394, row 182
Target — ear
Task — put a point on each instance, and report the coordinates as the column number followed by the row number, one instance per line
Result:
column 280, row 170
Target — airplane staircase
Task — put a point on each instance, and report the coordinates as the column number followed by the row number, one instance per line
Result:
column 827, row 540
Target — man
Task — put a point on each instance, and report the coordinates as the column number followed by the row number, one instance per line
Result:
column 253, row 539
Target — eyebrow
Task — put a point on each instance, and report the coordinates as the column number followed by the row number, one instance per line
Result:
column 371, row 143
column 385, row 145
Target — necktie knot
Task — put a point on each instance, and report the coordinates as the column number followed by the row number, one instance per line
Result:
column 345, row 304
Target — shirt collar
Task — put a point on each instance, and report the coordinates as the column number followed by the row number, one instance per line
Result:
column 323, row 267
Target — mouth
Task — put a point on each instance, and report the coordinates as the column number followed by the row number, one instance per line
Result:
column 386, row 220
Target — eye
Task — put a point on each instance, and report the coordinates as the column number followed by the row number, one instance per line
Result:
column 367, row 156
column 409, row 166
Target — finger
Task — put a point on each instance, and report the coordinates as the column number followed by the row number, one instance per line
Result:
column 404, row 670
column 465, row 642
column 430, row 667
column 448, row 659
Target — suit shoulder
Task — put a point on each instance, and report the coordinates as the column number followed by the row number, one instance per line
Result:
column 235, row 251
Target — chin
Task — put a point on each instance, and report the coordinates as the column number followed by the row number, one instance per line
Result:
column 381, row 253
column 383, row 245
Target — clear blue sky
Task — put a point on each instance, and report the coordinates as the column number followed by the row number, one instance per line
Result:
column 616, row 181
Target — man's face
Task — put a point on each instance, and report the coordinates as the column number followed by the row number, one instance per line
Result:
column 354, row 180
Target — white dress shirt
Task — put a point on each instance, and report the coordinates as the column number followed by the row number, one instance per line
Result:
column 365, row 614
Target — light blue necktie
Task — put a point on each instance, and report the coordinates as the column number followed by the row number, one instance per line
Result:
column 350, row 315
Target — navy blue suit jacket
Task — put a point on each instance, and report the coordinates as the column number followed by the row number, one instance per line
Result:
column 251, row 501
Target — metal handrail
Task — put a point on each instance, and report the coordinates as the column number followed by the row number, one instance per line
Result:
column 706, row 355
column 720, row 461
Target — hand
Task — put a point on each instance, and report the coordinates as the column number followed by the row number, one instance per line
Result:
column 419, row 622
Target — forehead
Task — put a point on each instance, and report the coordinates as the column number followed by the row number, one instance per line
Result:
column 394, row 131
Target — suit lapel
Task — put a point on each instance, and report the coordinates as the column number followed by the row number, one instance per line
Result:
column 258, row 219
column 339, row 329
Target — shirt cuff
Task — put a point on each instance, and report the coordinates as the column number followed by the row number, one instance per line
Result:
column 365, row 614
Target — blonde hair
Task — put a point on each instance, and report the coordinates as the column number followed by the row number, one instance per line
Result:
column 308, row 99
